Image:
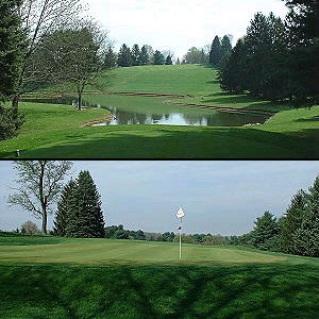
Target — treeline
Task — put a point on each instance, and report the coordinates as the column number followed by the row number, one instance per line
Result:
column 276, row 59
column 136, row 56
column 212, row 54
column 118, row 232
column 296, row 232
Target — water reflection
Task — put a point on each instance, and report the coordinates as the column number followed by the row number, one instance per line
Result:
column 212, row 118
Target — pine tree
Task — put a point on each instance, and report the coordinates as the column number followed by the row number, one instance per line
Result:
column 144, row 57
column 233, row 69
column 292, row 221
column 264, row 41
column 110, row 58
column 124, row 56
column 63, row 206
column 85, row 217
column 159, row 58
column 215, row 52
column 12, row 44
column 303, row 31
column 135, row 55
column 265, row 231
column 168, row 60
column 226, row 46
column 306, row 239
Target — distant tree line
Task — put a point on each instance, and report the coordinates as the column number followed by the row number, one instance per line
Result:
column 209, row 55
column 136, row 56
column 118, row 232
column 296, row 232
column 277, row 60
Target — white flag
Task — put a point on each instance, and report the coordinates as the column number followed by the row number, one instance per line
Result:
column 180, row 213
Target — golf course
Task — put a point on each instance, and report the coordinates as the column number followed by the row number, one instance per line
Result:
column 151, row 112
column 53, row 277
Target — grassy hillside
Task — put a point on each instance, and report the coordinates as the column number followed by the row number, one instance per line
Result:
column 55, row 131
column 238, row 283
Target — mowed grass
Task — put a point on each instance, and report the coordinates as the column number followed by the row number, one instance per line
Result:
column 291, row 134
column 93, row 278
column 101, row 252
column 54, row 131
column 110, row 252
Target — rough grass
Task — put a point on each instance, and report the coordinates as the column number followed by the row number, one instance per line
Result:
column 263, row 289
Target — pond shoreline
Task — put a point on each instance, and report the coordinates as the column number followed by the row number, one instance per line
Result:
column 226, row 109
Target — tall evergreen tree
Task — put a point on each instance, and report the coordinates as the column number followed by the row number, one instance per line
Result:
column 168, row 60
column 292, row 221
column 12, row 44
column 215, row 52
column 303, row 31
column 85, row 217
column 306, row 239
column 258, row 62
column 63, row 207
column 159, row 58
column 233, row 70
column 226, row 46
column 135, row 55
column 265, row 231
column 110, row 58
column 124, row 56
column 144, row 56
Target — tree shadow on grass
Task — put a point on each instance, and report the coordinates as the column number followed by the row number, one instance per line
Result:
column 268, row 292
column 225, row 98
column 221, row 143
column 312, row 119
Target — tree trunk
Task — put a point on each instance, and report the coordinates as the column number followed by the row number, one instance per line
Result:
column 15, row 108
column 80, row 88
column 80, row 101
column 44, row 222
column 43, row 198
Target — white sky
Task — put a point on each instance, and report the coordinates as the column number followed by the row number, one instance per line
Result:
column 178, row 25
column 222, row 197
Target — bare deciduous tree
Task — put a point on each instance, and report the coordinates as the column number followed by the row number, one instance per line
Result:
column 40, row 17
column 40, row 183
column 29, row 228
column 74, row 56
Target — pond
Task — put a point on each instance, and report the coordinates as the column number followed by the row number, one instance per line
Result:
column 180, row 116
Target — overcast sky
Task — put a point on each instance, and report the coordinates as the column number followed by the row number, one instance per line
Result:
column 218, row 196
column 178, row 25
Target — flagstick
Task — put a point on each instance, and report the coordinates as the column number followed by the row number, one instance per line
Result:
column 180, row 240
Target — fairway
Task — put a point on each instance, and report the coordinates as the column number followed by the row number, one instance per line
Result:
column 104, row 252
